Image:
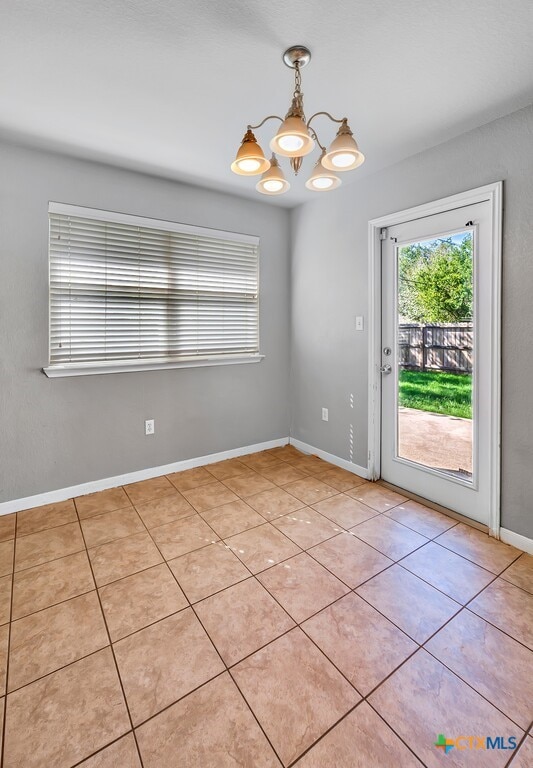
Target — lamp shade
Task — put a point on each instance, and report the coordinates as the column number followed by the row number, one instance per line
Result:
column 343, row 154
column 250, row 160
column 292, row 139
column 273, row 181
column 322, row 179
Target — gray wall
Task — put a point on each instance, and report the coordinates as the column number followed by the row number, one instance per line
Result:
column 60, row 432
column 329, row 279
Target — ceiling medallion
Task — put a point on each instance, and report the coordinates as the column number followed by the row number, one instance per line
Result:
column 295, row 139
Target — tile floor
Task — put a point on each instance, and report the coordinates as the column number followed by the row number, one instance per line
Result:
column 264, row 611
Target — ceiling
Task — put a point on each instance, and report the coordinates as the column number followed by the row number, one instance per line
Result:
column 168, row 86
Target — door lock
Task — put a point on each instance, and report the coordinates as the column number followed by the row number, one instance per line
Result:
column 385, row 368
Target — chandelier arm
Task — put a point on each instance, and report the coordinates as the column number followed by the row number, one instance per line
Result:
column 333, row 119
column 315, row 137
column 270, row 117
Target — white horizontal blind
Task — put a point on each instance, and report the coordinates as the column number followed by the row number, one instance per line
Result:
column 121, row 291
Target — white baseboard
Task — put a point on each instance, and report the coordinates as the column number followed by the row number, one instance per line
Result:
column 344, row 463
column 61, row 494
column 516, row 540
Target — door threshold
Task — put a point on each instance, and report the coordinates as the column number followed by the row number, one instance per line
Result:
column 437, row 507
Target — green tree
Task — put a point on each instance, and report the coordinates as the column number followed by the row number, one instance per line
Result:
column 435, row 281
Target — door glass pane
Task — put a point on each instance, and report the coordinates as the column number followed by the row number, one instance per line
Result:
column 435, row 336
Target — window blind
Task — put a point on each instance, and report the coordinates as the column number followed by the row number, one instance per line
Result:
column 122, row 289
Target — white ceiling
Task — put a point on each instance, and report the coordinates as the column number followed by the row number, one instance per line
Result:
column 168, row 86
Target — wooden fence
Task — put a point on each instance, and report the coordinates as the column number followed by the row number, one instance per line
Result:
column 443, row 347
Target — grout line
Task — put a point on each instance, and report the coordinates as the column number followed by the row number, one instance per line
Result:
column 8, row 652
column 114, row 657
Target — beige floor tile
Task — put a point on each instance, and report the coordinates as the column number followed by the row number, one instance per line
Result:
column 221, row 470
column 38, row 548
column 148, row 666
column 340, row 479
column 65, row 717
column 310, row 490
column 274, row 503
column 262, row 547
column 477, row 546
column 2, row 710
column 421, row 519
column 415, row 607
column 7, row 527
column 361, row 740
column 146, row 490
column 241, row 619
column 249, row 484
column 391, row 538
column 6, row 557
column 208, row 570
column 182, row 536
column 211, row 728
column 165, row 510
column 507, row 607
column 497, row 667
column 452, row 574
column 139, row 600
column 362, row 643
column 295, row 693
column 49, row 516
column 110, row 526
column 285, row 452
column 123, row 557
column 209, row 496
column 5, row 598
column 350, row 559
column 259, row 460
column 121, row 754
column 4, row 642
column 306, row 527
column 44, row 585
column 190, row 478
column 282, row 473
column 232, row 518
column 423, row 698
column 50, row 639
column 101, row 501
column 376, row 496
column 524, row 755
column 311, row 465
column 344, row 510
column 302, row 586
column 520, row 573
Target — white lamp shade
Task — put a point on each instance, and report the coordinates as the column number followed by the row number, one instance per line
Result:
column 250, row 160
column 292, row 139
column 343, row 154
column 273, row 181
column 322, row 179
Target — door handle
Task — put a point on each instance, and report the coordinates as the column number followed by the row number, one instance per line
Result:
column 385, row 368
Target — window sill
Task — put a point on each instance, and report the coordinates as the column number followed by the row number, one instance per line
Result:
column 92, row 369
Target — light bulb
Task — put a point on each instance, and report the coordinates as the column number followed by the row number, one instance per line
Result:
column 342, row 160
column 273, row 185
column 322, row 182
column 248, row 166
column 290, row 143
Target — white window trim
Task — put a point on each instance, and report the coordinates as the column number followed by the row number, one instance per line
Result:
column 91, row 369
column 129, row 366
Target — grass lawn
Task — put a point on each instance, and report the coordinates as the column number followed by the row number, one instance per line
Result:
column 437, row 392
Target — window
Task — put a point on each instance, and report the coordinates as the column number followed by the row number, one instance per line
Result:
column 129, row 293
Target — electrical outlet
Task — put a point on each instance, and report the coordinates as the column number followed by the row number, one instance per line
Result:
column 359, row 323
column 149, row 427
column 325, row 414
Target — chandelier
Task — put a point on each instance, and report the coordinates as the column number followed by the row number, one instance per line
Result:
column 295, row 139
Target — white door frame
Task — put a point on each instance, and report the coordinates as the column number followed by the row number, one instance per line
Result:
column 493, row 194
